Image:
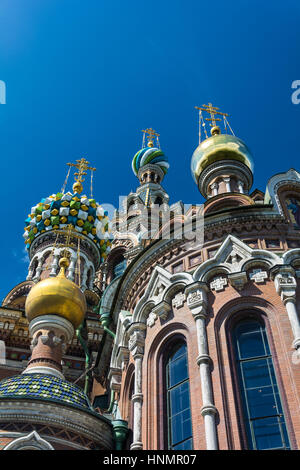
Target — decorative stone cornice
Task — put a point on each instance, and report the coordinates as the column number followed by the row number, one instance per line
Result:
column 115, row 378
column 197, row 299
column 162, row 309
column 136, row 341
column 238, row 280
column 286, row 284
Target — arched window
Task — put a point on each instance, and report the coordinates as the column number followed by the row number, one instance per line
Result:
column 178, row 400
column 262, row 409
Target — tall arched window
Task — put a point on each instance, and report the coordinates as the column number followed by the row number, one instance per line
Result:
column 262, row 409
column 178, row 400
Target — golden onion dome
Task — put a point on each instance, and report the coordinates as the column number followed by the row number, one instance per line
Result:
column 57, row 296
column 219, row 147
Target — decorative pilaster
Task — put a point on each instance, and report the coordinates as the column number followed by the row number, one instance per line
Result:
column 136, row 347
column 197, row 303
column 286, row 285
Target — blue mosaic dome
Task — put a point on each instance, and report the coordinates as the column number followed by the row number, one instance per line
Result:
column 44, row 387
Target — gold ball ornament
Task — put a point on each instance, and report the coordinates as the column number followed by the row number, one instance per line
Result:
column 57, row 296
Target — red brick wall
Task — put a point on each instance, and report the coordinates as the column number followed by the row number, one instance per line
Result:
column 223, row 305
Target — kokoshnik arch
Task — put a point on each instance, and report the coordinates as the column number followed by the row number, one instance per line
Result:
column 122, row 339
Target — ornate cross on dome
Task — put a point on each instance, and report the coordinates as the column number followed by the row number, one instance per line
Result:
column 150, row 135
column 82, row 166
column 213, row 111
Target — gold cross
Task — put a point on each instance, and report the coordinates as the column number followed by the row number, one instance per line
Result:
column 69, row 232
column 212, row 110
column 82, row 166
column 150, row 135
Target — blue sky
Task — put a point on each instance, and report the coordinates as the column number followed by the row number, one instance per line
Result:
column 84, row 77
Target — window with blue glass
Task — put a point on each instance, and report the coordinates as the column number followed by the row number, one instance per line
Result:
column 263, row 414
column 178, row 400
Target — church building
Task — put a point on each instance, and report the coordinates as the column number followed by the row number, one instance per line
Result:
column 163, row 326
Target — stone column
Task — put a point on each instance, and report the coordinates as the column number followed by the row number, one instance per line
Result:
column 38, row 270
column 136, row 347
column 71, row 269
column 286, row 286
column 197, row 303
column 84, row 278
column 214, row 187
column 227, row 182
column 54, row 264
column 241, row 187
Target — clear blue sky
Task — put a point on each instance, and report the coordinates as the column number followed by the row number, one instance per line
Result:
column 84, row 77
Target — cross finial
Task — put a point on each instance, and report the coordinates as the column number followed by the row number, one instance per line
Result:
column 213, row 111
column 150, row 134
column 82, row 166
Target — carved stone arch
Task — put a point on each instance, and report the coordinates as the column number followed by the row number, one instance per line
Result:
column 277, row 183
column 31, row 441
column 215, row 271
column 141, row 314
column 292, row 257
column 232, row 256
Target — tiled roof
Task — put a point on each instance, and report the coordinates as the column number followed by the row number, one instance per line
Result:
column 44, row 387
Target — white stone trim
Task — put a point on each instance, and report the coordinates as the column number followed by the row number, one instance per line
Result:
column 31, row 441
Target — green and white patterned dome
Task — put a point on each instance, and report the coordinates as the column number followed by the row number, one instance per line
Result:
column 60, row 210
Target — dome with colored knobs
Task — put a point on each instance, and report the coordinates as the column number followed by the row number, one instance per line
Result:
column 57, row 296
column 59, row 210
column 219, row 147
column 149, row 155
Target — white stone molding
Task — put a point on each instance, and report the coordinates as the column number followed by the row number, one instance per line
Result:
column 179, row 300
column 44, row 370
column 286, row 285
column 281, row 179
column 151, row 319
column 258, row 275
column 197, row 303
column 115, row 378
column 159, row 299
column 219, row 284
column 31, row 441
column 49, row 322
column 232, row 257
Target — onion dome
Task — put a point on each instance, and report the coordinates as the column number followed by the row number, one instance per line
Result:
column 59, row 210
column 45, row 387
column 149, row 155
column 57, row 296
column 216, row 148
